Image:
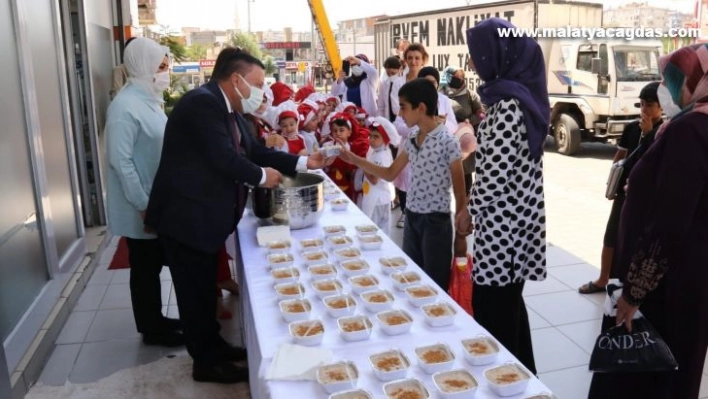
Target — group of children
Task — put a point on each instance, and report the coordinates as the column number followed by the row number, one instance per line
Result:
column 308, row 121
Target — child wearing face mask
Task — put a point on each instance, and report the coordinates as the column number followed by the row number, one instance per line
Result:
column 287, row 121
column 346, row 132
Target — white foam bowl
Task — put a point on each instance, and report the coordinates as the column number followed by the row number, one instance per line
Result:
column 295, row 316
column 332, row 385
column 334, row 230
column 315, row 257
column 339, row 241
column 366, row 229
column 511, row 388
column 439, row 314
column 309, row 340
column 280, row 288
column 317, row 286
column 358, row 335
column 432, row 368
column 285, row 275
column 455, row 393
column 374, row 306
column 322, row 271
column 403, row 280
column 390, row 265
column 352, row 394
column 411, row 383
column 278, row 246
column 356, row 283
column 542, row 395
column 480, row 350
column 348, row 310
column 355, row 267
column 393, row 374
column 276, row 261
column 311, row 244
column 394, row 329
column 343, row 254
column 419, row 301
column 339, row 204
column 370, row 242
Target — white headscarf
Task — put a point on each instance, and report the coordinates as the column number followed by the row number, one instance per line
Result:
column 142, row 59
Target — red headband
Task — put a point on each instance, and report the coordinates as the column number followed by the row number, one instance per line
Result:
column 287, row 114
column 384, row 135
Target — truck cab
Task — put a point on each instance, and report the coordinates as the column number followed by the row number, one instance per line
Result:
column 594, row 85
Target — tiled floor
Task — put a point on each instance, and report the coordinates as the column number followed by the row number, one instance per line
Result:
column 100, row 338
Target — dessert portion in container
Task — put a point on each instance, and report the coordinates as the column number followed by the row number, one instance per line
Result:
column 455, row 384
column 390, row 365
column 338, row 376
column 406, row 389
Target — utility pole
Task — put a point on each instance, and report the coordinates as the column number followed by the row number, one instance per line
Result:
column 248, row 11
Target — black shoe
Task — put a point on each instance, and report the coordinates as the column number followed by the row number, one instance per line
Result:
column 168, row 339
column 171, row 324
column 222, row 373
column 230, row 353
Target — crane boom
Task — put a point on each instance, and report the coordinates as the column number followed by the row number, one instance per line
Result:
column 319, row 16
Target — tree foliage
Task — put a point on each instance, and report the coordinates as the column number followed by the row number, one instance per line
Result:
column 247, row 42
column 196, row 52
column 270, row 67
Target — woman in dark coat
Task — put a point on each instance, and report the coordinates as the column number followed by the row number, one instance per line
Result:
column 662, row 253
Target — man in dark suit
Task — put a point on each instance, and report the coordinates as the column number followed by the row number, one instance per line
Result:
column 199, row 193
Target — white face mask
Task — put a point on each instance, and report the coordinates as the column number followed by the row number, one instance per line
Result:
column 667, row 103
column 161, row 81
column 254, row 101
column 357, row 70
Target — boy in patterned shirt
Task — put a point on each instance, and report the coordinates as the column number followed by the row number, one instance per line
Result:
column 436, row 165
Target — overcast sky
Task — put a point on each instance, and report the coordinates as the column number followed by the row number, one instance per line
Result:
column 225, row 14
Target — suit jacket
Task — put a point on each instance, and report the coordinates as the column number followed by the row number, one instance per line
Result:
column 198, row 194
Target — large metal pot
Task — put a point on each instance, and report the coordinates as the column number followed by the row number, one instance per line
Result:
column 297, row 202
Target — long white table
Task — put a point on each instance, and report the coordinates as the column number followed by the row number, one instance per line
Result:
column 265, row 329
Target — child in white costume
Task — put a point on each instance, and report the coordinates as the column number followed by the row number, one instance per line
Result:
column 377, row 192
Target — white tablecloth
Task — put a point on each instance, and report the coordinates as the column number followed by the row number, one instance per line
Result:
column 264, row 328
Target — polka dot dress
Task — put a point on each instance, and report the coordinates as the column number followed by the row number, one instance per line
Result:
column 507, row 202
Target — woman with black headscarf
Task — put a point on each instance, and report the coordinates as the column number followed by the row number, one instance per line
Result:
column 507, row 197
column 360, row 88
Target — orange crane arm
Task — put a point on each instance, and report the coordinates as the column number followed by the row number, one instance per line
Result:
column 319, row 16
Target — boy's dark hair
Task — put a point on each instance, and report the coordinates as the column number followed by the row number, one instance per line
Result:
column 419, row 91
column 234, row 59
column 429, row 71
column 392, row 62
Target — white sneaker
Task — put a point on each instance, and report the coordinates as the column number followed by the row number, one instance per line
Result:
column 401, row 221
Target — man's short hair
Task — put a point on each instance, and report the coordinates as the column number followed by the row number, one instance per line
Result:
column 430, row 71
column 419, row 91
column 234, row 59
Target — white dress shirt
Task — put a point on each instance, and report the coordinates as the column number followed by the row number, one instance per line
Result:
column 368, row 89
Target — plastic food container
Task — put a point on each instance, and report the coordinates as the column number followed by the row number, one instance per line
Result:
column 322, row 271
column 311, row 244
column 481, row 350
column 290, row 290
column 295, row 309
column 370, row 242
column 343, row 254
column 285, row 274
column 280, row 260
column 390, row 365
column 508, row 379
column 338, row 376
column 339, row 241
column 456, row 384
column 334, row 230
column 403, row 280
column 377, row 300
column 278, row 246
column 363, row 283
column 395, row 322
column 327, row 287
column 411, row 388
column 352, row 394
column 355, row 328
column 315, row 257
column 439, row 314
column 339, row 204
column 419, row 295
column 435, row 358
column 307, row 332
column 355, row 267
column 366, row 229
column 390, row 265
column 340, row 305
